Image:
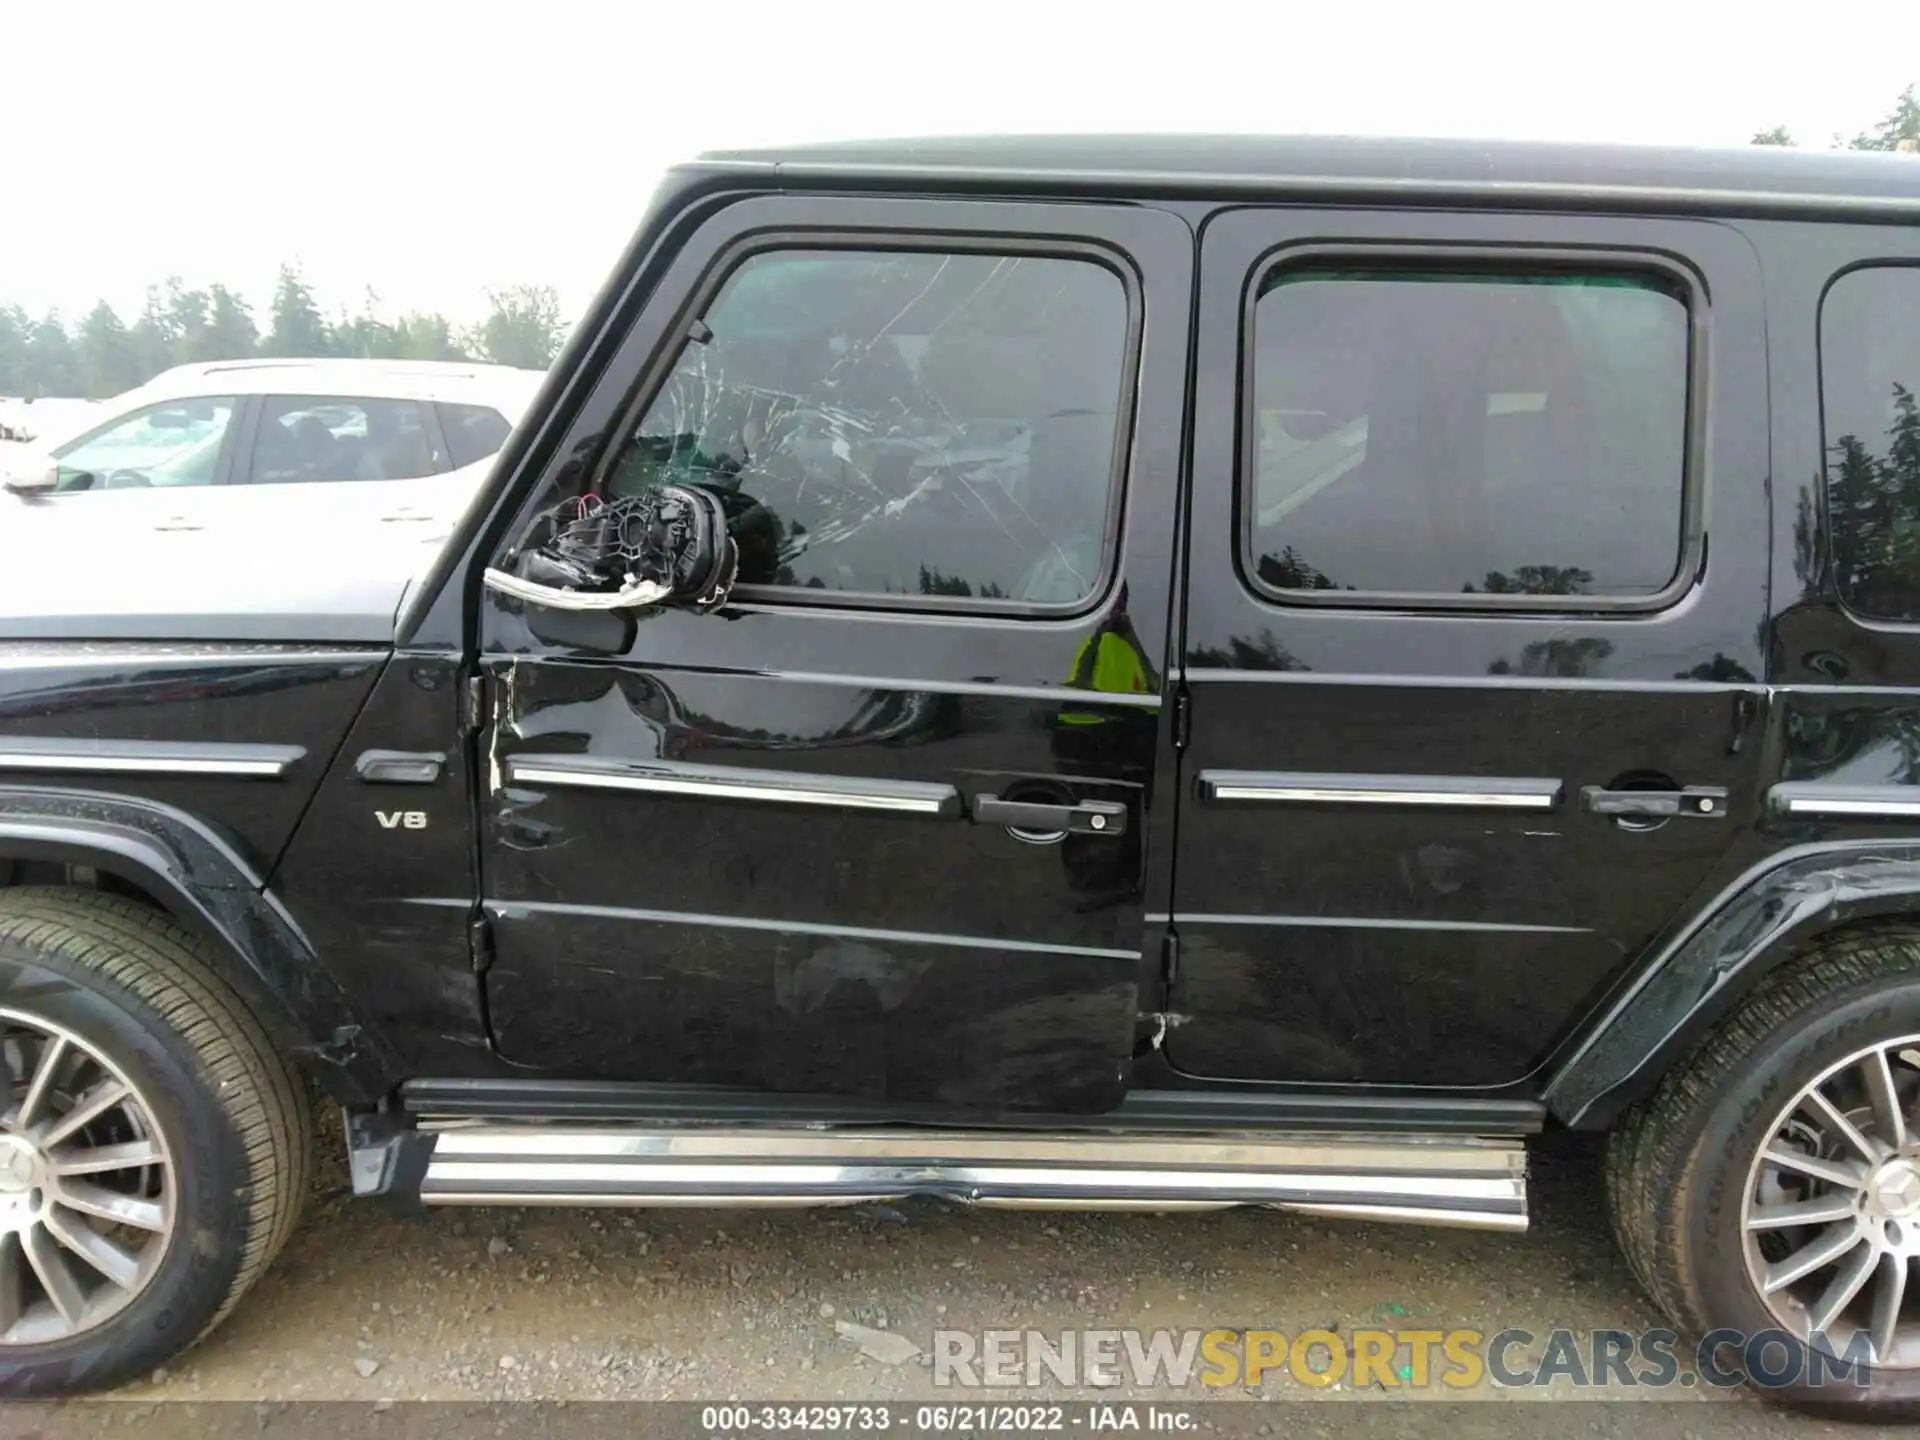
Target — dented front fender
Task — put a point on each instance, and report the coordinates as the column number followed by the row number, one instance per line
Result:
column 205, row 884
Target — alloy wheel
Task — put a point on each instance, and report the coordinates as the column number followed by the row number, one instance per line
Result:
column 1831, row 1215
column 86, row 1185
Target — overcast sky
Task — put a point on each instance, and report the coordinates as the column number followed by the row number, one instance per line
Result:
column 430, row 150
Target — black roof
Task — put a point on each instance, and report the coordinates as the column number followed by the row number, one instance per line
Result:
column 1751, row 178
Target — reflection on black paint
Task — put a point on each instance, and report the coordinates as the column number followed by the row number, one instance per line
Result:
column 933, row 582
column 1557, row 659
column 1534, row 580
column 801, row 949
column 1869, row 366
column 1243, row 653
column 140, row 688
column 1289, row 570
column 1101, row 743
column 239, row 693
column 1722, row 669
column 1857, row 744
column 1873, row 501
column 1806, row 539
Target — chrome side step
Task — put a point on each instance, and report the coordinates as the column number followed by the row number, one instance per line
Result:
column 1462, row 1181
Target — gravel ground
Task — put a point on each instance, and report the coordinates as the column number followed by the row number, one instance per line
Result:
column 572, row 1305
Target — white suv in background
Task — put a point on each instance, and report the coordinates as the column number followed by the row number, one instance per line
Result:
column 202, row 444
column 319, row 480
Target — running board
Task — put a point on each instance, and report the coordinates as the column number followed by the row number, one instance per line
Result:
column 1478, row 1183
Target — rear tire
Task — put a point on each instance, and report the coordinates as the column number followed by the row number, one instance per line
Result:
column 97, row 992
column 1699, row 1213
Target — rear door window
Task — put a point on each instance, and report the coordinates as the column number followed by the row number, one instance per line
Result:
column 1430, row 433
column 308, row 439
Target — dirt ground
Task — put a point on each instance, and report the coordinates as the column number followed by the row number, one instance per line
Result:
column 694, row 1305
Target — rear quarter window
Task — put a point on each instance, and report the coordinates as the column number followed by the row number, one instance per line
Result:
column 1869, row 374
column 473, row 432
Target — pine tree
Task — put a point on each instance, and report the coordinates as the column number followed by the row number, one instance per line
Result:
column 1900, row 130
column 230, row 333
column 109, row 359
column 297, row 328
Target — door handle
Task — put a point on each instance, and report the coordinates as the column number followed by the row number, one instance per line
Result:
column 1089, row 817
column 176, row 522
column 1701, row 802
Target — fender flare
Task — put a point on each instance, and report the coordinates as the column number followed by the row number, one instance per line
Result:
column 207, row 886
column 1760, row 921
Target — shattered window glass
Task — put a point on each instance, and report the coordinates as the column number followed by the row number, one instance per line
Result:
column 901, row 423
column 1870, row 374
column 1448, row 433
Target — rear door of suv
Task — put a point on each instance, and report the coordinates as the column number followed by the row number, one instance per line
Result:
column 1473, row 632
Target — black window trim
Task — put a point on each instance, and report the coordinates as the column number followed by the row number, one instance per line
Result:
column 243, row 462
column 1508, row 259
column 745, row 246
column 439, row 452
column 1825, row 527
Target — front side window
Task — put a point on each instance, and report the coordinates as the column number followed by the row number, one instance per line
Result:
column 1870, row 375
column 1419, row 433
column 308, row 439
column 175, row 443
column 902, row 423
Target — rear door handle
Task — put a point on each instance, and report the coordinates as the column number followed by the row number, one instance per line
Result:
column 1089, row 817
column 1702, row 802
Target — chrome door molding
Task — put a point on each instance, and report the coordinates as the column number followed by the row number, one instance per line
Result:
column 728, row 782
column 1458, row 792
column 146, row 757
column 1815, row 800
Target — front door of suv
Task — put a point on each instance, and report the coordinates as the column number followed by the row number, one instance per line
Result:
column 1478, row 585
column 772, row 847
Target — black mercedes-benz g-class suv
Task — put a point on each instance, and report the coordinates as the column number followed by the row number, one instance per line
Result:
column 1133, row 671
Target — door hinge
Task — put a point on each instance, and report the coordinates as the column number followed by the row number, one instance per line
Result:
column 473, row 705
column 1170, row 957
column 1182, row 717
column 480, row 943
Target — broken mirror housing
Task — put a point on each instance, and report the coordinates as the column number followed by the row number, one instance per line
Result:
column 667, row 545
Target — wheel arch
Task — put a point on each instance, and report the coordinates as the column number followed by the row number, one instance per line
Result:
column 1770, row 915
column 181, row 866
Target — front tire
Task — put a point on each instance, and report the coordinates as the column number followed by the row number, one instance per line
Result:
column 1771, row 1186
column 154, row 1147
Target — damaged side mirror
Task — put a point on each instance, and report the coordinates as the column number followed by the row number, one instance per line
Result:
column 669, row 546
